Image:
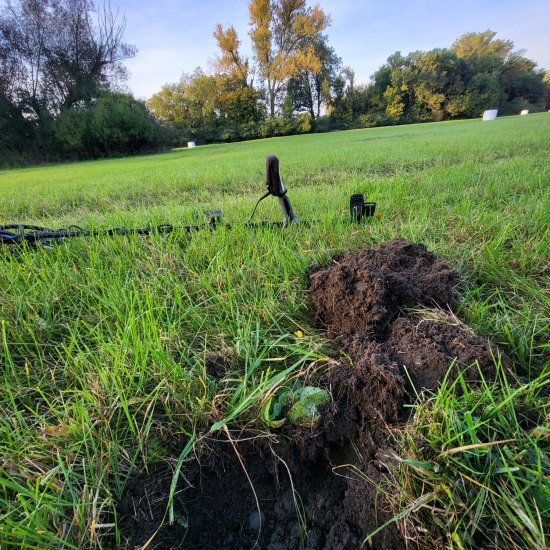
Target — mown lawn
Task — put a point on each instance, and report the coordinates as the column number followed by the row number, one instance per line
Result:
column 104, row 341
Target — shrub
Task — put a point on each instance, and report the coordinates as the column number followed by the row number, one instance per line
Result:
column 375, row 119
column 121, row 124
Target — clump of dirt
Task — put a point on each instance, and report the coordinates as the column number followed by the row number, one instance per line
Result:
column 311, row 483
column 359, row 295
column 375, row 303
column 426, row 348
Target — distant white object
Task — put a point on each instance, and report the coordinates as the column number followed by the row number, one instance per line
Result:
column 491, row 114
column 191, row 144
column 524, row 112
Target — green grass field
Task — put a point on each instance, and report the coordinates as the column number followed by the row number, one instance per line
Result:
column 104, row 341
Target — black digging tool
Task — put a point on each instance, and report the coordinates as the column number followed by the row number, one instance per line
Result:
column 17, row 234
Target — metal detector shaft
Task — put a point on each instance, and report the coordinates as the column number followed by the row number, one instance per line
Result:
column 36, row 235
column 288, row 214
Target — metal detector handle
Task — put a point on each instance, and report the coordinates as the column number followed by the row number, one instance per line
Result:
column 276, row 188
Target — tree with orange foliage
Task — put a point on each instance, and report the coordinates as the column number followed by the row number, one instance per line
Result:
column 281, row 33
column 230, row 62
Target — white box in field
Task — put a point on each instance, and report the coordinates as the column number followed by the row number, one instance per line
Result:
column 490, row 114
column 191, row 144
column 524, row 112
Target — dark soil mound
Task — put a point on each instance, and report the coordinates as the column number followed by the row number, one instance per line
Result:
column 426, row 348
column 365, row 301
column 320, row 475
column 361, row 294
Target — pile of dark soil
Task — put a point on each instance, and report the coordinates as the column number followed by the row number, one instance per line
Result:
column 360, row 295
column 320, row 475
column 390, row 309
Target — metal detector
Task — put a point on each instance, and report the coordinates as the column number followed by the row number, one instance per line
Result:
column 17, row 234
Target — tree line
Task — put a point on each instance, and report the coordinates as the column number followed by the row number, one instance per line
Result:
column 478, row 72
column 62, row 76
column 283, row 91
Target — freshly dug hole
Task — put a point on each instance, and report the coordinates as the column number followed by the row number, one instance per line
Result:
column 215, row 507
column 363, row 301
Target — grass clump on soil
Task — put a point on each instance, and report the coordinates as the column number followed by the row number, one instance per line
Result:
column 121, row 354
column 472, row 468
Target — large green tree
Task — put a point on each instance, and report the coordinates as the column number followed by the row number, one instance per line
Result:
column 478, row 72
column 522, row 84
column 61, row 62
column 482, row 50
column 205, row 107
column 114, row 123
column 349, row 100
column 500, row 76
column 60, row 52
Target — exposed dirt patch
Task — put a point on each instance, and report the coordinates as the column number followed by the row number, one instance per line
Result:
column 142, row 510
column 359, row 295
column 318, row 474
column 427, row 347
column 217, row 366
column 215, row 506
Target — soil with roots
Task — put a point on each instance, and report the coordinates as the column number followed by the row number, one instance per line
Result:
column 390, row 310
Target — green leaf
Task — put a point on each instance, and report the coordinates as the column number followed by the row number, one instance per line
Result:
column 274, row 406
column 541, row 494
column 305, row 412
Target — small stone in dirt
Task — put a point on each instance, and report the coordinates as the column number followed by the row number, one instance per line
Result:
column 256, row 519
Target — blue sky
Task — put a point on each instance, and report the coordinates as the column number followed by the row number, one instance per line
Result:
column 175, row 36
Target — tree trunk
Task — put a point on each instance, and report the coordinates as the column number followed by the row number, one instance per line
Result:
column 271, row 93
column 310, row 100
